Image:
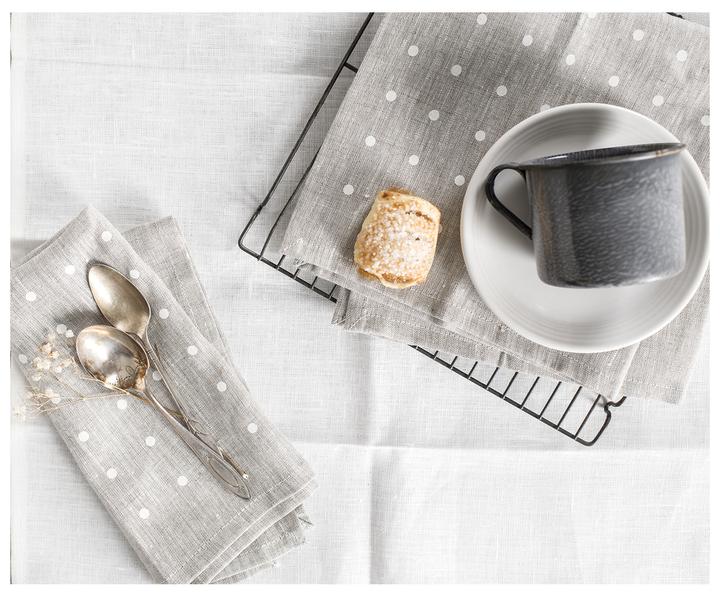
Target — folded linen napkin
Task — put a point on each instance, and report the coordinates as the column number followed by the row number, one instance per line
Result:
column 183, row 525
column 432, row 95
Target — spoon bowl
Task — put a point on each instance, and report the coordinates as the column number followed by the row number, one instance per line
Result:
column 120, row 302
column 112, row 357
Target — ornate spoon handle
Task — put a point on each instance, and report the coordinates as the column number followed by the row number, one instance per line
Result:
column 190, row 423
column 228, row 476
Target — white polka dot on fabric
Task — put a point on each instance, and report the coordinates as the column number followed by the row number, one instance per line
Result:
column 638, row 34
column 456, row 70
column 163, row 313
column 527, row 40
column 122, row 404
column 413, row 160
column 705, row 120
column 481, row 19
column 83, row 436
column 348, row 189
column 391, row 96
column 69, row 270
column 413, row 51
column 143, row 513
column 658, row 100
column 192, row 350
column 106, row 236
column 459, row 180
column 61, row 328
column 150, row 441
column 134, row 274
column 370, row 140
column 681, row 56
column 182, row 480
column 23, row 359
column 501, row 91
column 252, row 428
column 544, row 107
column 570, row 59
column 156, row 375
column 614, row 81
column 221, row 386
column 111, row 473
column 480, row 136
column 30, row 296
column 433, row 115
column 69, row 334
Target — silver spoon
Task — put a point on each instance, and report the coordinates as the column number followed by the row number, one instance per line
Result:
column 117, row 360
column 125, row 308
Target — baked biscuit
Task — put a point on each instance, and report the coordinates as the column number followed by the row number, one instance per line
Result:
column 396, row 244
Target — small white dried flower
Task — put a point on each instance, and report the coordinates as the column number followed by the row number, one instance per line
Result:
column 55, row 359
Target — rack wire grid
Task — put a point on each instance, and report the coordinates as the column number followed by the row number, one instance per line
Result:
column 572, row 410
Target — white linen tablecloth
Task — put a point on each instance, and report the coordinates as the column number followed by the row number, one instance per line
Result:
column 422, row 476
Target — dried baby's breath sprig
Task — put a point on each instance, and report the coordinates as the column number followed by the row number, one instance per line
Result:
column 54, row 366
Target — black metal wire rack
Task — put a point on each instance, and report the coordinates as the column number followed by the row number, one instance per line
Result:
column 569, row 409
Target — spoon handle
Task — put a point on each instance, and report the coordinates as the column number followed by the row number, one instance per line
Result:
column 150, row 349
column 228, row 476
column 190, row 424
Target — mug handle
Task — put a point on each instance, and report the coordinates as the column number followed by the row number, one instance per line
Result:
column 495, row 202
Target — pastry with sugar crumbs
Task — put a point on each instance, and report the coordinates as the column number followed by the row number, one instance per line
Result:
column 396, row 244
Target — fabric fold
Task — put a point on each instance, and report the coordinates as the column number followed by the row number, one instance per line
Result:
column 182, row 524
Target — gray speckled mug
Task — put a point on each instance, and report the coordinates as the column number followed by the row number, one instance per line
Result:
column 603, row 217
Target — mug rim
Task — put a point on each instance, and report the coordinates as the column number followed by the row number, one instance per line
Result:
column 619, row 154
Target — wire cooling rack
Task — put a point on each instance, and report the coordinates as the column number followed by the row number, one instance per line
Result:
column 569, row 409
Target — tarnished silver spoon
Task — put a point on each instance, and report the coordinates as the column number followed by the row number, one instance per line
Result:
column 125, row 308
column 117, row 360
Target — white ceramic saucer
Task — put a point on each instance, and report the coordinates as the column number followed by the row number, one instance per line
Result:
column 500, row 260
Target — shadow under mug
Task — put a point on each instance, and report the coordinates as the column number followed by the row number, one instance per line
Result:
column 603, row 217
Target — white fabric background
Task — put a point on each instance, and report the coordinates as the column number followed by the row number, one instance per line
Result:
column 423, row 477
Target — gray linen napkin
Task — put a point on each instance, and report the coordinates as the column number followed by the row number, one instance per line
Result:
column 432, row 95
column 183, row 525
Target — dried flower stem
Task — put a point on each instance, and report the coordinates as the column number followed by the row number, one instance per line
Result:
column 41, row 401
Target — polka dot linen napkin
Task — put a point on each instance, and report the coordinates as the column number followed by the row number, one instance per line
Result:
column 432, row 95
column 183, row 524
